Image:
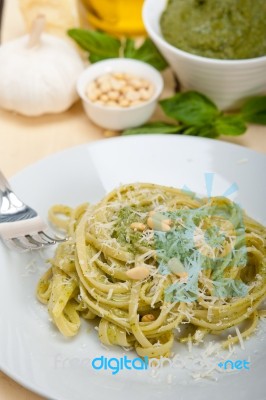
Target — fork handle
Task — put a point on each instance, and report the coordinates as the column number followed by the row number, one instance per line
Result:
column 4, row 184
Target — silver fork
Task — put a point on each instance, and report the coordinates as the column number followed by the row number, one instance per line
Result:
column 1, row 16
column 21, row 228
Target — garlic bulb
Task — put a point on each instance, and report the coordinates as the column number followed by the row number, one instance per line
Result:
column 38, row 73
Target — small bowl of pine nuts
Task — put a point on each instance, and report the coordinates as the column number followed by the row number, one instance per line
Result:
column 119, row 93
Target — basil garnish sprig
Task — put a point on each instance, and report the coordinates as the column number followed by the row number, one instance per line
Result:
column 195, row 114
column 102, row 46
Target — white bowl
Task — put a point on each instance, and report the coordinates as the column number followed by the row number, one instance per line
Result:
column 226, row 82
column 117, row 118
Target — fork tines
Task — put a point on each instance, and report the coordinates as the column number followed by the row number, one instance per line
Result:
column 27, row 234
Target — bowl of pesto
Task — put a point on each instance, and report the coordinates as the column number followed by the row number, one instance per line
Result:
column 215, row 47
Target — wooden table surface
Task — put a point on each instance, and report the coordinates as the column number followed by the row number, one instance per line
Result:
column 26, row 140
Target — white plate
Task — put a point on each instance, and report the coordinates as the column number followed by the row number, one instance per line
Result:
column 35, row 354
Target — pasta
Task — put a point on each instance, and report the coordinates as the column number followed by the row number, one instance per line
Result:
column 155, row 264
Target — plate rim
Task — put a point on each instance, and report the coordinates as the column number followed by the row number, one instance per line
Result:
column 131, row 137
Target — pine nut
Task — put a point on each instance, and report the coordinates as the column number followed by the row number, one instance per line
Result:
column 103, row 79
column 145, row 84
column 118, row 75
column 165, row 227
column 138, row 273
column 92, row 86
column 112, row 103
column 94, row 94
column 124, row 89
column 132, row 95
column 182, row 274
column 113, row 95
column 160, row 217
column 105, row 87
column 136, row 83
column 148, row 318
column 138, row 226
column 183, row 277
column 124, row 103
column 104, row 98
column 144, row 94
column 175, row 265
column 158, row 225
column 117, row 84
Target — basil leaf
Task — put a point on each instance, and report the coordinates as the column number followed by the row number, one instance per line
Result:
column 230, row 125
column 203, row 131
column 153, row 127
column 147, row 52
column 191, row 108
column 129, row 49
column 254, row 110
column 100, row 45
column 93, row 58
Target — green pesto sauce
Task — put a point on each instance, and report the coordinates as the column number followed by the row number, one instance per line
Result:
column 126, row 236
column 223, row 29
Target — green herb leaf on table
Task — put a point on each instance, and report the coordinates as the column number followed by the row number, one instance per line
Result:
column 100, row 45
column 230, row 125
column 147, row 52
column 129, row 48
column 254, row 110
column 153, row 127
column 197, row 116
column 190, row 108
column 203, row 131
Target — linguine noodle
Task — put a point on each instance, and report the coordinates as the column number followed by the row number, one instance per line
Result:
column 205, row 260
